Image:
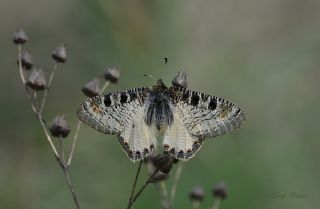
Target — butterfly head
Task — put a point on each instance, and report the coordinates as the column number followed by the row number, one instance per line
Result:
column 159, row 86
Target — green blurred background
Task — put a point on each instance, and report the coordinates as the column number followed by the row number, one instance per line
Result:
column 261, row 54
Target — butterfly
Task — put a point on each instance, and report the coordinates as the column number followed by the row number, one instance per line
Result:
column 161, row 119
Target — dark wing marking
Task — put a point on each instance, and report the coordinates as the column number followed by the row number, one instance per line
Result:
column 206, row 116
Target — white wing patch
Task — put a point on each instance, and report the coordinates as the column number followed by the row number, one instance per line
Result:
column 178, row 141
column 137, row 140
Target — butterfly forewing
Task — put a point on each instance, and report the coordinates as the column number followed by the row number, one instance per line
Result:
column 121, row 113
column 206, row 116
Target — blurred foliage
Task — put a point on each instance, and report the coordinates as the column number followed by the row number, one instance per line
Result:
column 262, row 55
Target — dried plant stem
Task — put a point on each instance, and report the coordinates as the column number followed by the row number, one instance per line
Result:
column 216, row 203
column 175, row 181
column 48, row 87
column 45, row 130
column 142, row 189
column 65, row 169
column 74, row 142
column 20, row 66
column 134, row 184
column 106, row 84
column 164, row 191
column 195, row 205
column 164, row 199
column 59, row 157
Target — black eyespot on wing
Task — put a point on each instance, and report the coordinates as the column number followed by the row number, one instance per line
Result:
column 237, row 112
column 123, row 98
column 195, row 99
column 212, row 103
column 185, row 96
column 107, row 100
column 133, row 95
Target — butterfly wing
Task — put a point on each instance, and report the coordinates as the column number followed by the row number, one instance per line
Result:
column 121, row 113
column 198, row 116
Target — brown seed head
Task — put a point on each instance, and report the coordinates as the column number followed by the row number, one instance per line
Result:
column 163, row 162
column 196, row 194
column 112, row 75
column 59, row 54
column 180, row 80
column 59, row 127
column 19, row 37
column 36, row 80
column 26, row 60
column 220, row 190
column 92, row 88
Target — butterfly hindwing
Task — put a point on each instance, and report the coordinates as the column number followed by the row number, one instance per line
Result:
column 178, row 141
column 137, row 140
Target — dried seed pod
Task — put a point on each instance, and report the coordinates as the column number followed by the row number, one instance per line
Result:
column 59, row 127
column 112, row 75
column 159, row 176
column 59, row 54
column 92, row 88
column 20, row 37
column 180, row 80
column 26, row 60
column 196, row 194
column 163, row 162
column 220, row 190
column 36, row 80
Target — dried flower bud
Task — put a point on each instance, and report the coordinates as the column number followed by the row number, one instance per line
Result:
column 180, row 80
column 92, row 88
column 196, row 194
column 26, row 60
column 59, row 127
column 112, row 75
column 20, row 37
column 60, row 54
column 159, row 176
column 163, row 162
column 220, row 190
column 36, row 80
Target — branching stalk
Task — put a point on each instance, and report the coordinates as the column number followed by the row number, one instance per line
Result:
column 216, row 203
column 175, row 181
column 59, row 157
column 142, row 189
column 48, row 87
column 134, row 184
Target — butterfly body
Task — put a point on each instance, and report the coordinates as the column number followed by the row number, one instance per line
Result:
column 173, row 120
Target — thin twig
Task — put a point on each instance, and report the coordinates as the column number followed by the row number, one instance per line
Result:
column 74, row 143
column 71, row 188
column 45, row 130
column 20, row 66
column 134, row 184
column 175, row 181
column 79, row 127
column 48, row 87
column 142, row 189
column 61, row 150
column 65, row 169
column 164, row 191
column 216, row 203
column 104, row 87
column 195, row 205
